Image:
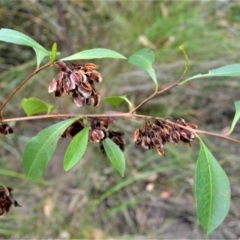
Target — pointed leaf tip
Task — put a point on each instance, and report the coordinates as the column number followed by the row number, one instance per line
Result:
column 144, row 59
column 116, row 101
column 39, row 149
column 16, row 37
column 212, row 190
column 76, row 149
column 115, row 155
column 236, row 116
column 33, row 106
column 232, row 70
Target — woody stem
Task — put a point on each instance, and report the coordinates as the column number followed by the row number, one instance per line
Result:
column 21, row 84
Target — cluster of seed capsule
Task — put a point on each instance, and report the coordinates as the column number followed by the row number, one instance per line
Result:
column 157, row 133
column 5, row 129
column 78, row 81
column 98, row 131
column 6, row 200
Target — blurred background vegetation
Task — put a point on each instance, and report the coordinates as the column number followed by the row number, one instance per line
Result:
column 156, row 197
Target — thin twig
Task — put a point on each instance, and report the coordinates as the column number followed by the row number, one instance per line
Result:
column 21, row 84
column 117, row 115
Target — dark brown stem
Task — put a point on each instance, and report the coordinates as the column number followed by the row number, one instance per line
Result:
column 22, row 83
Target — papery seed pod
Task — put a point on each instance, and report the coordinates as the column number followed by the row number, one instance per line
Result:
column 184, row 137
column 89, row 101
column 104, row 124
column 59, row 90
column 7, row 129
column 68, row 85
column 95, row 76
column 78, row 77
column 73, row 129
column 53, row 86
column 181, row 121
column 96, row 135
column 147, row 126
column 175, row 137
column 96, row 99
column 157, row 143
column 138, row 137
column 6, row 200
column 85, row 89
column 78, row 99
column 161, row 152
column 62, row 66
column 89, row 67
column 76, row 66
column 118, row 141
column 146, row 143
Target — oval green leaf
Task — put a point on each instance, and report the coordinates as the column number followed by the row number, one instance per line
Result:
column 33, row 106
column 13, row 36
column 93, row 54
column 115, row 155
column 76, row 149
column 54, row 52
column 236, row 116
column 144, row 59
column 116, row 101
column 39, row 149
column 232, row 70
column 212, row 190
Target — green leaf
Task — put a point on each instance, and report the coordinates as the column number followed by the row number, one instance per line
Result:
column 232, row 70
column 116, row 101
column 76, row 149
column 54, row 52
column 94, row 53
column 144, row 59
column 13, row 36
column 115, row 155
column 39, row 149
column 33, row 106
column 212, row 190
column 236, row 116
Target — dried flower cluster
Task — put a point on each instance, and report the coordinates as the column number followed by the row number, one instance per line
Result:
column 99, row 130
column 5, row 129
column 78, row 81
column 6, row 200
column 160, row 132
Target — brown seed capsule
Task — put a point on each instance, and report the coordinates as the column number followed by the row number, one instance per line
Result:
column 53, row 86
column 59, row 90
column 6, row 200
column 6, row 129
column 96, row 135
column 85, row 89
column 96, row 99
column 95, row 76
column 89, row 67
column 68, row 85
column 138, row 137
column 161, row 152
column 62, row 66
column 78, row 99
